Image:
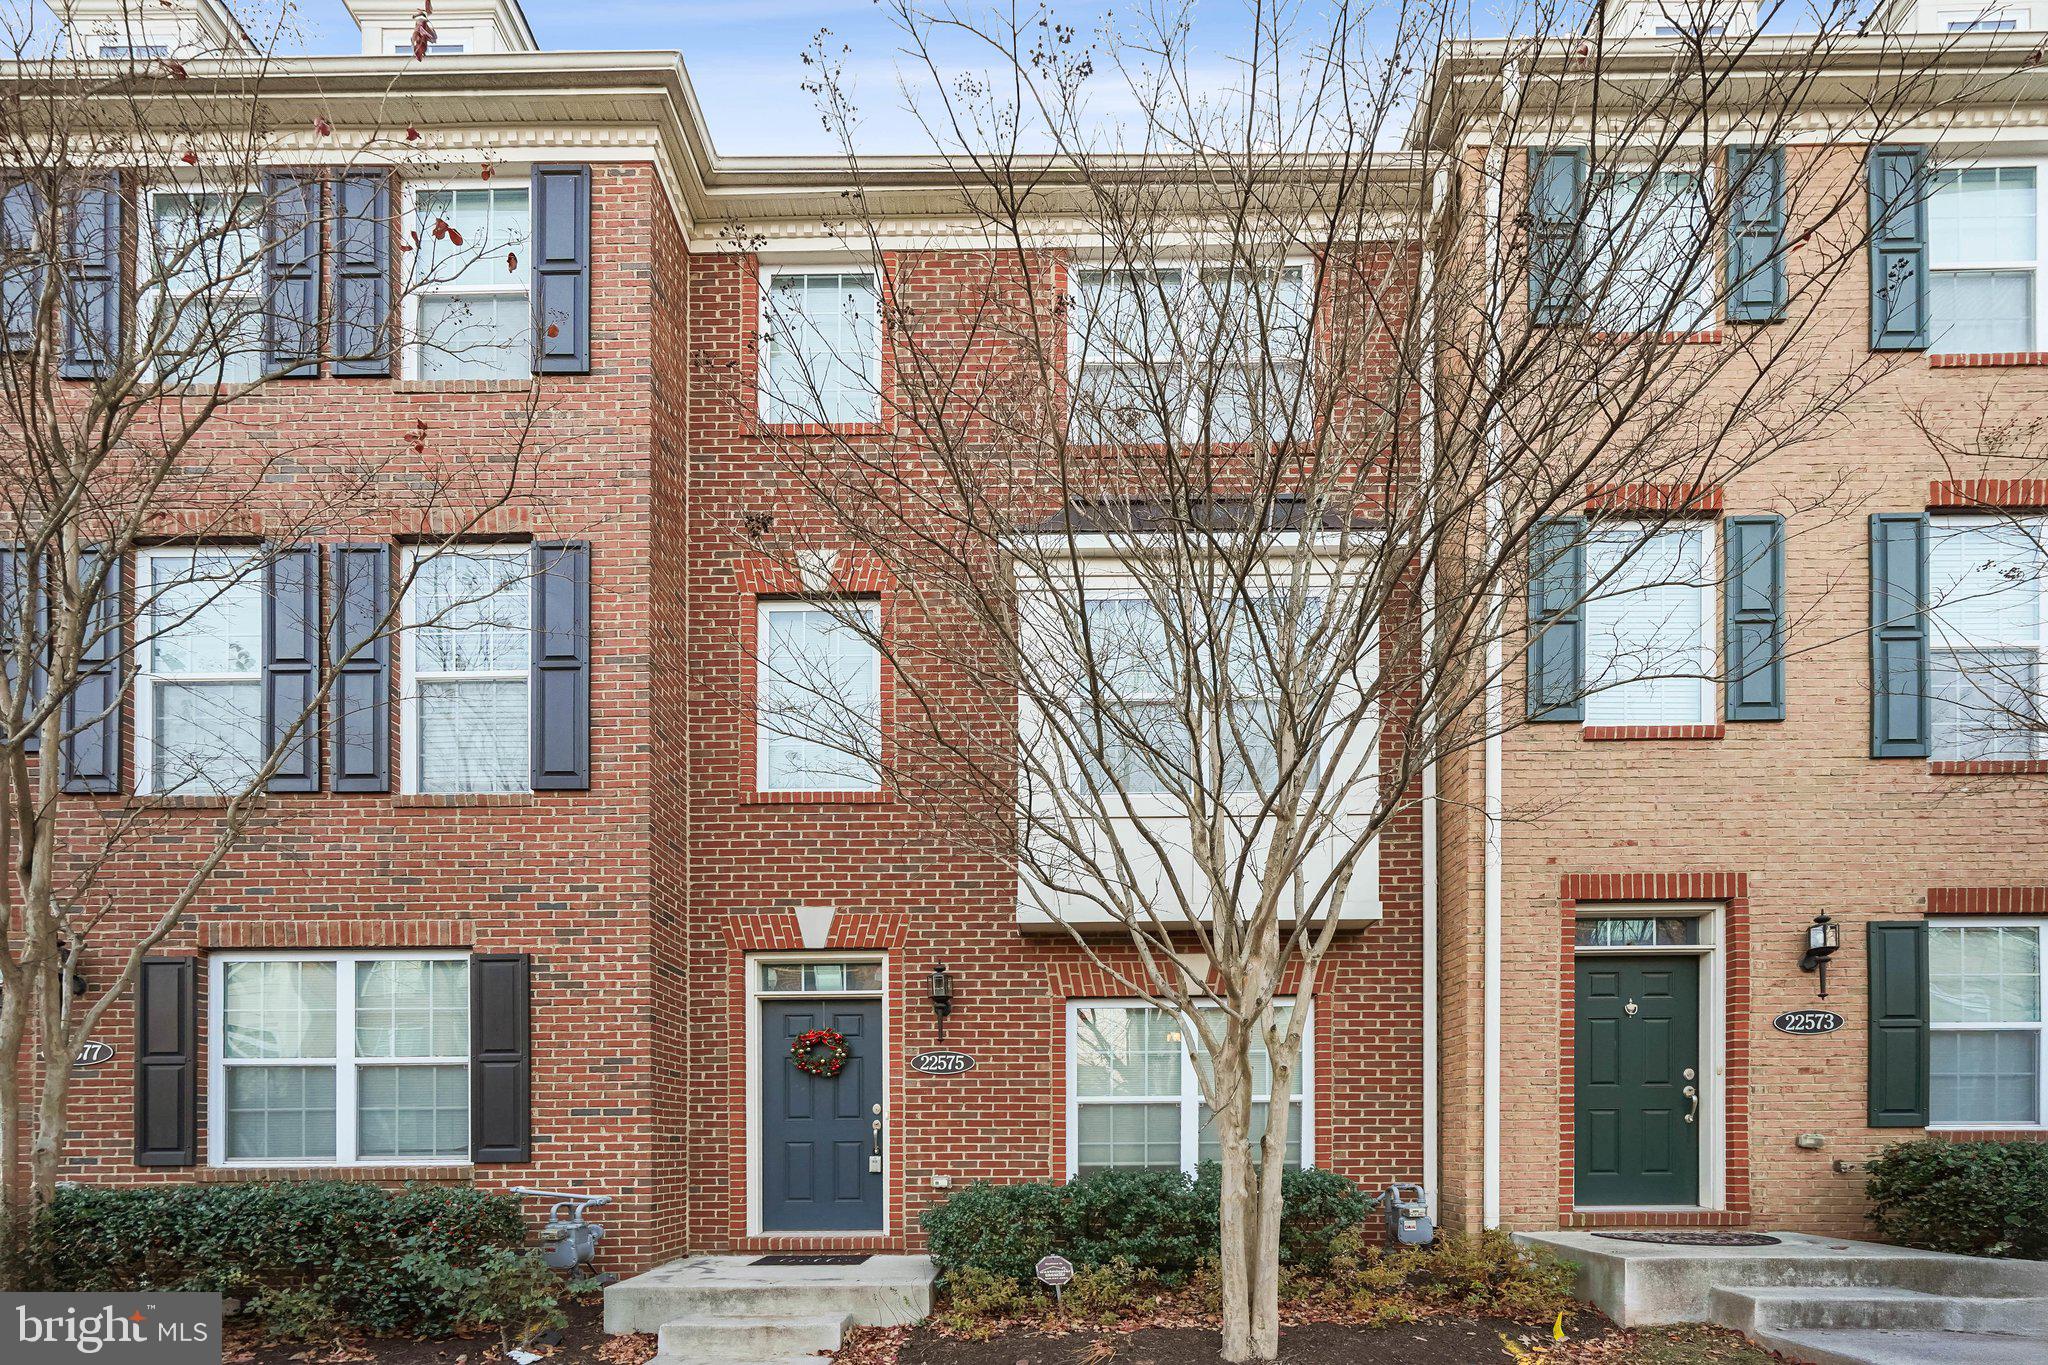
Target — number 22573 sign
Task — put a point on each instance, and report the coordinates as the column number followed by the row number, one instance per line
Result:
column 1807, row 1021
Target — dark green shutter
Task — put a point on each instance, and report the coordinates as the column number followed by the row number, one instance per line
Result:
column 1557, row 629
column 166, row 1062
column 1898, row 1025
column 559, row 710
column 92, row 286
column 1557, row 191
column 1898, row 635
column 362, row 273
column 359, row 724
column 22, row 612
column 1756, row 234
column 500, row 1057
column 1754, row 618
column 21, row 263
column 1897, row 179
column 561, row 269
column 91, row 758
column 291, row 666
column 291, row 267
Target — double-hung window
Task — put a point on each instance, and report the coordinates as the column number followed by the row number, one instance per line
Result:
column 1984, row 251
column 1651, row 267
column 1134, row 1094
column 205, row 267
column 1985, row 1039
column 472, row 315
column 821, row 347
column 340, row 1058
column 818, row 699
column 199, row 683
column 1649, row 601
column 467, row 655
column 1987, row 19
column 1988, row 625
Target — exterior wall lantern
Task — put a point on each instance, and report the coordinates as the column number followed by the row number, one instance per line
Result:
column 940, row 988
column 1823, row 938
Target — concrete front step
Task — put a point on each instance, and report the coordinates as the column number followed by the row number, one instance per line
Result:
column 882, row 1291
column 756, row 1341
column 1784, row 1308
column 1876, row 1346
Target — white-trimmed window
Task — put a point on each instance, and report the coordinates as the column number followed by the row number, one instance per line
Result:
column 1190, row 350
column 1649, row 601
column 1651, row 267
column 472, row 317
column 1134, row 1100
column 821, row 347
column 338, row 1059
column 818, row 699
column 1986, row 1007
column 468, row 647
column 199, row 670
column 1988, row 626
column 1987, row 19
column 1983, row 252
column 204, row 256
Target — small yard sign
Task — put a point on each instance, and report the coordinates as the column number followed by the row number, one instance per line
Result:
column 1055, row 1271
column 1807, row 1021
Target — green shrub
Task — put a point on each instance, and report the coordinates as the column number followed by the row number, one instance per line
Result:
column 1977, row 1198
column 1491, row 1274
column 1156, row 1219
column 978, row 1302
column 513, row 1291
column 1109, row 1292
column 311, row 1258
column 1000, row 1229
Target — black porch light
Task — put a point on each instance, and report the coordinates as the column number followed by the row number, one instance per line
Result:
column 1823, row 938
column 940, row 988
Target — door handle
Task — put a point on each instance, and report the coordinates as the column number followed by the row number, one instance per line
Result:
column 1692, row 1092
column 876, row 1148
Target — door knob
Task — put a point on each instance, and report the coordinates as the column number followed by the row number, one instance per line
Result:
column 1692, row 1092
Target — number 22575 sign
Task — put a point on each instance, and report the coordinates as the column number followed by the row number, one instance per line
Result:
column 945, row 1062
column 1807, row 1021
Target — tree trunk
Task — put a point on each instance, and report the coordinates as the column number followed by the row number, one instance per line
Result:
column 13, row 1193
column 1238, row 1217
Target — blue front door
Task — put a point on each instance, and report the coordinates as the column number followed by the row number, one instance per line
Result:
column 818, row 1136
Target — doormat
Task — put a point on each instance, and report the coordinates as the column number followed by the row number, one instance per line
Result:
column 1696, row 1239
column 784, row 1258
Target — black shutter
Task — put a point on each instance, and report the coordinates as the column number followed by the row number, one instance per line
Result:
column 1898, row 636
column 359, row 730
column 167, row 1062
column 1753, row 644
column 21, row 280
column 22, row 609
column 1897, row 180
column 1557, row 192
column 561, row 269
column 291, row 666
column 500, row 1057
column 362, row 273
column 1898, row 1025
column 92, row 314
column 91, row 761
column 291, row 265
column 1557, row 615
column 1756, row 232
column 560, row 707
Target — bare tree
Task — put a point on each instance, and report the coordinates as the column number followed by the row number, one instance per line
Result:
column 168, row 505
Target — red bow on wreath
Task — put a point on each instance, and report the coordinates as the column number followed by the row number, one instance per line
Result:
column 836, row 1052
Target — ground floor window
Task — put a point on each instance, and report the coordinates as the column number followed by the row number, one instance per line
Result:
column 1986, row 1006
column 1134, row 1098
column 339, row 1058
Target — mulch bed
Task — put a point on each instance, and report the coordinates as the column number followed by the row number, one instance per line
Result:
column 583, row 1343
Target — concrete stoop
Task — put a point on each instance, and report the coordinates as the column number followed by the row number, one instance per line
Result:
column 725, row 1310
column 1827, row 1301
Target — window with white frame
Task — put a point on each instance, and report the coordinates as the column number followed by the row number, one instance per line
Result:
column 1987, row 581
column 468, row 648
column 199, row 670
column 1983, row 252
column 205, row 269
column 818, row 698
column 1991, row 19
column 1134, row 1097
column 1193, row 351
column 339, row 1058
column 1652, row 262
column 820, row 347
column 1985, row 1040
column 472, row 315
column 1649, row 598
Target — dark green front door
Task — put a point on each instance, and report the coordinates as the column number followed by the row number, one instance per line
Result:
column 1638, row 1052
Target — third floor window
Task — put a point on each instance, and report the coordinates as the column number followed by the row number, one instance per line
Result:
column 1984, row 252
column 473, row 315
column 1649, row 599
column 820, row 348
column 1988, row 624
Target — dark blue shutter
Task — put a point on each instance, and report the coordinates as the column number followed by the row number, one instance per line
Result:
column 21, row 280
column 1897, row 1081
column 91, row 760
column 362, row 273
column 560, row 708
column 1898, row 635
column 500, row 1057
column 561, row 270
column 92, row 287
column 22, row 611
column 1897, row 179
column 1754, row 618
column 1557, row 621
column 291, row 666
column 167, row 1062
column 1557, row 192
column 291, row 264
column 1756, row 234
column 359, row 727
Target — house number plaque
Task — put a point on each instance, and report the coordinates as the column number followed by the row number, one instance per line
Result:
column 942, row 1063
column 1807, row 1021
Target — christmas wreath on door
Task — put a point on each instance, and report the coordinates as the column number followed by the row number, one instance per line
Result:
column 804, row 1054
